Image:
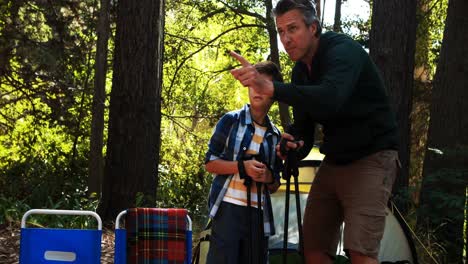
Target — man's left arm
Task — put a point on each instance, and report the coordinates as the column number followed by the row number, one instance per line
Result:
column 341, row 67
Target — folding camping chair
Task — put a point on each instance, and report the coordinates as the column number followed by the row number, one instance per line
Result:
column 153, row 235
column 57, row 245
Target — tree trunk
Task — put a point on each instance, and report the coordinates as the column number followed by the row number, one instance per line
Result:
column 274, row 57
column 337, row 23
column 395, row 58
column 445, row 173
column 131, row 169
column 421, row 98
column 318, row 9
column 96, row 161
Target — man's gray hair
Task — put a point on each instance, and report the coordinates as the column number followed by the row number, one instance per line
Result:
column 306, row 7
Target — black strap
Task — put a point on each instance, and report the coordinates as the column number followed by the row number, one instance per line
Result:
column 260, row 233
column 299, row 217
column 241, row 169
column 249, row 218
column 291, row 169
column 286, row 221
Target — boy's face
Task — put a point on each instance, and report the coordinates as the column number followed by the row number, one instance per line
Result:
column 260, row 101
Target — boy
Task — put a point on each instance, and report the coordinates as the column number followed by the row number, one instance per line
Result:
column 238, row 136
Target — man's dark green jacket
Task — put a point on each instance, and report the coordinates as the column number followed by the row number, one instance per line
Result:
column 345, row 93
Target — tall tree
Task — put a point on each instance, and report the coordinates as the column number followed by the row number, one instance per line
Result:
column 395, row 58
column 274, row 56
column 320, row 10
column 131, row 169
column 445, row 173
column 96, row 161
column 337, row 22
column 431, row 16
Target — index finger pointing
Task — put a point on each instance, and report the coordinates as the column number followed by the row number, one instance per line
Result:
column 241, row 59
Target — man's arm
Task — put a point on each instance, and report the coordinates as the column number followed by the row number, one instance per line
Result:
column 248, row 76
column 341, row 67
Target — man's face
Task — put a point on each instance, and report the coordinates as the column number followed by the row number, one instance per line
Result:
column 298, row 39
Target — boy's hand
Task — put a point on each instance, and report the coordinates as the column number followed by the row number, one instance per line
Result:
column 250, row 77
column 257, row 171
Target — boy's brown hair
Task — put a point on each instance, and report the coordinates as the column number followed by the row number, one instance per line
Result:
column 269, row 68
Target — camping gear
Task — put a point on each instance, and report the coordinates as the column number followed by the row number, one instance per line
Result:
column 260, row 233
column 200, row 251
column 396, row 244
column 53, row 245
column 153, row 235
column 248, row 183
column 291, row 169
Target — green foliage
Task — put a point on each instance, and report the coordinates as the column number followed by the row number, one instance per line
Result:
column 198, row 89
column 442, row 213
column 445, row 199
column 17, row 209
column 358, row 29
column 45, row 77
column 46, row 180
column 431, row 16
column 11, row 209
column 183, row 182
column 432, row 248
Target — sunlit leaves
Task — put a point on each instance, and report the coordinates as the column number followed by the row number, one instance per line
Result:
column 45, row 78
column 431, row 22
column 35, row 23
column 198, row 87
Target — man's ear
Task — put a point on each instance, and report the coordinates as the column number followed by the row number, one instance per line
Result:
column 313, row 28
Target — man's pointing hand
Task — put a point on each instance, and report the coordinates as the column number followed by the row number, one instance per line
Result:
column 248, row 76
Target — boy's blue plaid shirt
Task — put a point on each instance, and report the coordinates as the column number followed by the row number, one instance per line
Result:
column 231, row 138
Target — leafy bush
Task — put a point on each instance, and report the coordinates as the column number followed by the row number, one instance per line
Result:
column 41, row 169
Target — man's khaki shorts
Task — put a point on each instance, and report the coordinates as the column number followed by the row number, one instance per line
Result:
column 356, row 193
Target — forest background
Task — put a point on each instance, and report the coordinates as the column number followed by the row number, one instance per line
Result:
column 106, row 105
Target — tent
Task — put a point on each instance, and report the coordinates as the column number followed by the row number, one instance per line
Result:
column 396, row 245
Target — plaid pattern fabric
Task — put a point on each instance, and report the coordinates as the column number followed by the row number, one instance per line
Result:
column 156, row 235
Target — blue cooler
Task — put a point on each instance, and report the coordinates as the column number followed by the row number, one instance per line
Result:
column 60, row 246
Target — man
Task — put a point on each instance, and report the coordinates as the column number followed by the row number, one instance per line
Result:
column 335, row 83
